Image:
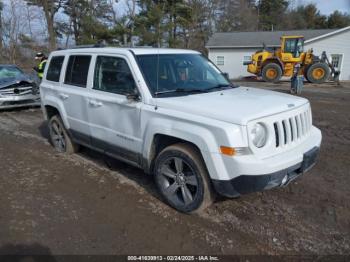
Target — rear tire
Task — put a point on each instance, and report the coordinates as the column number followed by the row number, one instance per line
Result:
column 318, row 73
column 182, row 178
column 59, row 137
column 271, row 72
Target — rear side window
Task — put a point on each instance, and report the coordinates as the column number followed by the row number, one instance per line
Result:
column 77, row 70
column 54, row 71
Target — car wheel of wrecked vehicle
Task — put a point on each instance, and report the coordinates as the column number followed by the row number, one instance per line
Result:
column 182, row 178
column 59, row 137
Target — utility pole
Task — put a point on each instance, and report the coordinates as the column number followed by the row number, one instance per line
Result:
column 258, row 15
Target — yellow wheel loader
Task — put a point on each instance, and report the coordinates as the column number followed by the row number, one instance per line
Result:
column 271, row 65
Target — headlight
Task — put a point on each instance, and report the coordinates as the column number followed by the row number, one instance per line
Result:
column 258, row 135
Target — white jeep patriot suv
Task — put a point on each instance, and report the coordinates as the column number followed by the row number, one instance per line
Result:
column 172, row 113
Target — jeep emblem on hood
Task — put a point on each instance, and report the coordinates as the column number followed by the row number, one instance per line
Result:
column 290, row 105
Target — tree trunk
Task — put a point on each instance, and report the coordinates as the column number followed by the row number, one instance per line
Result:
column 1, row 46
column 49, row 15
column 76, row 31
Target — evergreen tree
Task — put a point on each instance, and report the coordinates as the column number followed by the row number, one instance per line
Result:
column 271, row 14
column 160, row 22
column 236, row 15
column 89, row 20
column 200, row 26
column 305, row 17
column 338, row 20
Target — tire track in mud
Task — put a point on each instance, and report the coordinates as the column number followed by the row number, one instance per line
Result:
column 201, row 227
column 310, row 216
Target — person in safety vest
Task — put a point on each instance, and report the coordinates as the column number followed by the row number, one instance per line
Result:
column 41, row 67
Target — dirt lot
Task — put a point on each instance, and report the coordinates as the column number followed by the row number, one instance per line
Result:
column 90, row 204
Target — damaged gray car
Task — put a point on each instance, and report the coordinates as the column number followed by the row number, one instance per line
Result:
column 17, row 89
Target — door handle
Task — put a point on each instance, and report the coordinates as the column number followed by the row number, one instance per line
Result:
column 95, row 103
column 64, row 96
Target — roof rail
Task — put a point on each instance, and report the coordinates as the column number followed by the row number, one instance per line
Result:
column 84, row 46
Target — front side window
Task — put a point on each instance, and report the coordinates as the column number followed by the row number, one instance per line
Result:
column 113, row 75
column 54, row 70
column 180, row 73
column 77, row 70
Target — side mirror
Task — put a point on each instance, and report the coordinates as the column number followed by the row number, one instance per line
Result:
column 134, row 96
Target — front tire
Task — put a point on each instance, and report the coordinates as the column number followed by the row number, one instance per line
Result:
column 182, row 178
column 59, row 137
column 272, row 72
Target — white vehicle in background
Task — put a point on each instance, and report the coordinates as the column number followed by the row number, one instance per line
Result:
column 172, row 113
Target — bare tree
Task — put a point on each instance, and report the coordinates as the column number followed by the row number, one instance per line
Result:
column 50, row 8
column 1, row 22
column 12, row 28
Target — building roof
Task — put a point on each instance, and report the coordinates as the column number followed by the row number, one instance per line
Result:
column 270, row 38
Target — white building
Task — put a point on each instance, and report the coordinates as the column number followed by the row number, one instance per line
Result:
column 229, row 50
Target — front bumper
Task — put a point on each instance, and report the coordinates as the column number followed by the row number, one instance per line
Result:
column 14, row 101
column 253, row 183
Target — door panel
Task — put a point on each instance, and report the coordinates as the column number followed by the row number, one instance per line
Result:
column 73, row 94
column 115, row 124
column 75, row 103
column 114, row 120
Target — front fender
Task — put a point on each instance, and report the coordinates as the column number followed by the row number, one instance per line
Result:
column 208, row 138
column 197, row 135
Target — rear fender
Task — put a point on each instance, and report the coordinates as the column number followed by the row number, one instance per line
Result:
column 58, row 104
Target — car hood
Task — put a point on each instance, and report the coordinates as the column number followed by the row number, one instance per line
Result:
column 238, row 105
column 9, row 81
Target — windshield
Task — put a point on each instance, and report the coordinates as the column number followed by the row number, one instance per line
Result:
column 294, row 46
column 180, row 73
column 9, row 72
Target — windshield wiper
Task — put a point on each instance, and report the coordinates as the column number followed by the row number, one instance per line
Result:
column 183, row 90
column 180, row 90
column 220, row 86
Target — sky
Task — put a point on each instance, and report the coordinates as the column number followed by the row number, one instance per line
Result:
column 327, row 7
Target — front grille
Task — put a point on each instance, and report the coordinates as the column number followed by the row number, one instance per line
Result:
column 16, row 91
column 292, row 129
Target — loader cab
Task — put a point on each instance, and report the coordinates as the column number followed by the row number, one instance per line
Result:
column 292, row 48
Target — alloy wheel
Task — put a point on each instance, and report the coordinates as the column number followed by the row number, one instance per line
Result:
column 178, row 181
column 58, row 137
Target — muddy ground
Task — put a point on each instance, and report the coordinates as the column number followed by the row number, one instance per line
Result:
column 90, row 204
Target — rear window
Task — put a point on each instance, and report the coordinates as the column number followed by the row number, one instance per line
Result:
column 54, row 71
column 77, row 70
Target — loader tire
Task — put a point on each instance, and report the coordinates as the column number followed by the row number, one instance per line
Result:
column 318, row 73
column 271, row 72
